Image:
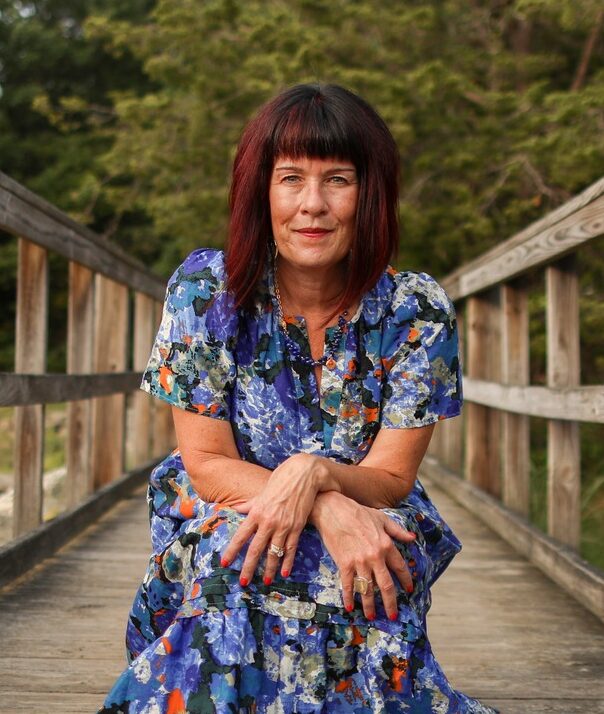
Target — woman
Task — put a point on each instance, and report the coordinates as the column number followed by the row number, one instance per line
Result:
column 293, row 547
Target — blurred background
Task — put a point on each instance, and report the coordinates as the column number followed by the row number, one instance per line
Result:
column 126, row 116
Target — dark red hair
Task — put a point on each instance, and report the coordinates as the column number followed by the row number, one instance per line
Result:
column 314, row 121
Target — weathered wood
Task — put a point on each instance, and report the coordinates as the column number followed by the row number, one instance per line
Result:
column 482, row 424
column 562, row 564
column 575, row 222
column 144, row 332
column 108, row 414
column 25, row 389
column 22, row 554
column 515, row 370
column 563, row 371
column 578, row 404
column 30, row 356
column 24, row 214
column 80, row 333
column 569, row 234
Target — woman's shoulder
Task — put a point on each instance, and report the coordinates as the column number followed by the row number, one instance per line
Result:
column 198, row 284
column 417, row 294
column 201, row 265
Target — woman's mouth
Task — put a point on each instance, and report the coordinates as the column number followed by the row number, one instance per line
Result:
column 311, row 232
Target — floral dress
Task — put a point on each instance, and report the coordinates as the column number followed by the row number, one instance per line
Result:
column 198, row 641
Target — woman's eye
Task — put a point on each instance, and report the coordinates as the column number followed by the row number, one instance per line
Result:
column 338, row 179
column 291, row 178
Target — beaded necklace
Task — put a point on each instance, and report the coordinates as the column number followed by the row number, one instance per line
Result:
column 294, row 349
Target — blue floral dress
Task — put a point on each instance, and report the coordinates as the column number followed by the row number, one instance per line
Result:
column 198, row 641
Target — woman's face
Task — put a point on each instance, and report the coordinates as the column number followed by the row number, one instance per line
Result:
column 313, row 206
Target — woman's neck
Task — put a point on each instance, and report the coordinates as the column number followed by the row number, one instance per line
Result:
column 311, row 291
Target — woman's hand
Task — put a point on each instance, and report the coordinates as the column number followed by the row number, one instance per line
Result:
column 278, row 514
column 359, row 539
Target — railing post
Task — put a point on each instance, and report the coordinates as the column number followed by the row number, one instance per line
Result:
column 563, row 370
column 30, row 358
column 80, row 326
column 482, row 462
column 515, row 370
column 144, row 324
column 108, row 413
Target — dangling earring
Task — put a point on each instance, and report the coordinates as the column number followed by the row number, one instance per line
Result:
column 276, row 250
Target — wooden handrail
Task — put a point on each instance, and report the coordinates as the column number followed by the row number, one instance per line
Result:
column 490, row 447
column 25, row 214
column 575, row 222
column 104, row 282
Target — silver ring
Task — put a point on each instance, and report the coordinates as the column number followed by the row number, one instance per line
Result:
column 361, row 585
column 276, row 550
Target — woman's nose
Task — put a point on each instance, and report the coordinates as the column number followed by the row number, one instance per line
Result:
column 313, row 199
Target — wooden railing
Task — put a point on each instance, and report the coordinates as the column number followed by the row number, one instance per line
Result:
column 490, row 447
column 105, row 285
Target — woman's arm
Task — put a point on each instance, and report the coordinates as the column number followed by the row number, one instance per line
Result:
column 209, row 454
column 384, row 477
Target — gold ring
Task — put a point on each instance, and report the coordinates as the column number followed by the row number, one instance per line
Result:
column 361, row 585
column 276, row 550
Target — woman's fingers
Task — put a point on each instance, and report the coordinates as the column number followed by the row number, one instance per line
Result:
column 368, row 599
column 347, row 579
column 388, row 592
column 396, row 563
column 256, row 548
column 242, row 535
column 283, row 540
column 395, row 531
column 287, row 564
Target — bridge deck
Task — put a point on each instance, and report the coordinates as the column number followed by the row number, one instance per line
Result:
column 501, row 630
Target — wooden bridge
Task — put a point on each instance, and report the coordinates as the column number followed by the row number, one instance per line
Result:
column 517, row 619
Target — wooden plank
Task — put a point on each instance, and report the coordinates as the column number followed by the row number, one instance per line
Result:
column 515, row 370
column 30, row 356
column 575, row 222
column 21, row 555
column 108, row 413
column 560, row 563
column 80, row 333
column 578, row 404
column 482, row 463
column 144, row 333
column 24, row 214
column 563, row 370
column 25, row 389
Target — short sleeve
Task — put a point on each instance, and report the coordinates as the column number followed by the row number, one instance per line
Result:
column 420, row 355
column 192, row 362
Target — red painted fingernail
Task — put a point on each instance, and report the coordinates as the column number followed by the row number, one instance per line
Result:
column 413, row 535
column 393, row 616
column 224, row 563
column 349, row 608
column 371, row 616
column 285, row 573
column 409, row 588
column 267, row 580
column 244, row 581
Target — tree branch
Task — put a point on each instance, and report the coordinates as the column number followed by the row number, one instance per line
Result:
column 588, row 49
